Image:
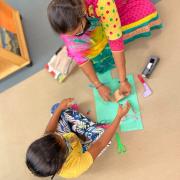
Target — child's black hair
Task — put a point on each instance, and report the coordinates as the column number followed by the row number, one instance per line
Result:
column 65, row 15
column 45, row 156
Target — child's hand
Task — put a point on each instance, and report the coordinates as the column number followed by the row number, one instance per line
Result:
column 104, row 92
column 66, row 103
column 125, row 88
column 123, row 110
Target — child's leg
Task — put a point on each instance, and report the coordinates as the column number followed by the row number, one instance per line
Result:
column 82, row 125
column 71, row 120
column 63, row 125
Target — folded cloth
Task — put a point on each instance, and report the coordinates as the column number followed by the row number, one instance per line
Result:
column 60, row 65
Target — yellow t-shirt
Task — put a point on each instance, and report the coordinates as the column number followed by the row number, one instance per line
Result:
column 77, row 162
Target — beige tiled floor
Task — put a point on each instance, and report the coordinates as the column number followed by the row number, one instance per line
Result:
column 153, row 153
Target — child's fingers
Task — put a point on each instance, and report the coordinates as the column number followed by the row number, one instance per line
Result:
column 71, row 99
column 67, row 102
column 128, row 106
column 108, row 97
column 127, row 93
column 67, row 99
column 120, row 110
column 120, row 106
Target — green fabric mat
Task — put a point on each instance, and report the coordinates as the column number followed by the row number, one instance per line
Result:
column 106, row 111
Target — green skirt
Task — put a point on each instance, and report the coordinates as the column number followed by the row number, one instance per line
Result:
column 104, row 61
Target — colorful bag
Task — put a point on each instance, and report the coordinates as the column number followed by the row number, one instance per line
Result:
column 60, row 65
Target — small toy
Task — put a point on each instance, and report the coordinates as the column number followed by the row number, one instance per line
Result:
column 147, row 90
column 120, row 146
column 117, row 97
column 150, row 66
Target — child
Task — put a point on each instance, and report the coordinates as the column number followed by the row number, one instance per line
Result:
column 95, row 32
column 61, row 150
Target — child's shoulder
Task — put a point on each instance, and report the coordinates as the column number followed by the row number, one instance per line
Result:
column 70, row 136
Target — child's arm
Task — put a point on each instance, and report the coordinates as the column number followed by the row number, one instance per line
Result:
column 89, row 71
column 120, row 61
column 102, row 142
column 52, row 125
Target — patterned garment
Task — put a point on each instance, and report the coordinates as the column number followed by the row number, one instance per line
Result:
column 113, row 23
column 104, row 61
column 72, row 121
column 89, row 45
column 118, row 17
